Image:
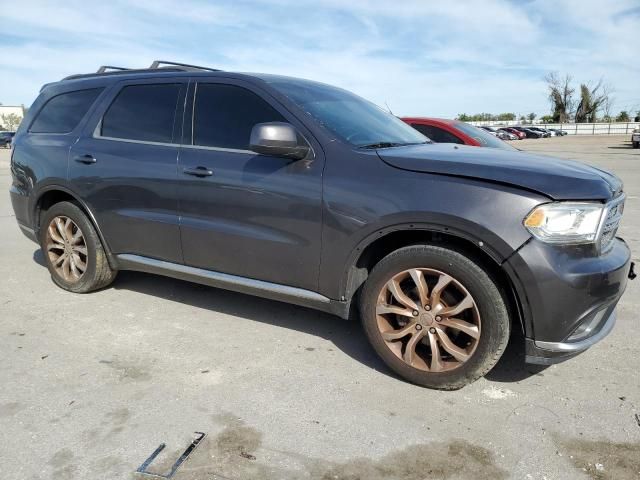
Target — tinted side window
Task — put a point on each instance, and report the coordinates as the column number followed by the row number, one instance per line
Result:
column 436, row 134
column 143, row 112
column 225, row 114
column 62, row 113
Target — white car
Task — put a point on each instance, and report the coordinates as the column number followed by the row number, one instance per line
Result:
column 635, row 138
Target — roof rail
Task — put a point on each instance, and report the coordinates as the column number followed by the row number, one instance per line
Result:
column 158, row 66
column 104, row 68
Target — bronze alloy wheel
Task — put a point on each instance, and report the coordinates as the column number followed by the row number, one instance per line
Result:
column 428, row 319
column 66, row 248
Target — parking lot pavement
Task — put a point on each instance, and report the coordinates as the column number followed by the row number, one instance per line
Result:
column 92, row 384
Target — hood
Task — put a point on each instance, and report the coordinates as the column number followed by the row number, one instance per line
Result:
column 556, row 178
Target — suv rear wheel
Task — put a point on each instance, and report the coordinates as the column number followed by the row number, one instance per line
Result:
column 73, row 251
column 434, row 316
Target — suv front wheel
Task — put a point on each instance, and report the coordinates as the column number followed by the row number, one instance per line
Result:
column 72, row 250
column 434, row 316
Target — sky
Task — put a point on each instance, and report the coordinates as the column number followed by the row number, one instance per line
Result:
column 418, row 57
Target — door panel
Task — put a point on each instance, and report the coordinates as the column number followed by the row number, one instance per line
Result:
column 256, row 216
column 131, row 187
column 131, row 190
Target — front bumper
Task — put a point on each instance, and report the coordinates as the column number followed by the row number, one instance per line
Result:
column 568, row 296
column 548, row 353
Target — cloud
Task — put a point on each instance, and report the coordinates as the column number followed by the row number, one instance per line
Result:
column 422, row 58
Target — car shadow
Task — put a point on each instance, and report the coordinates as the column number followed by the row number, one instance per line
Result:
column 511, row 367
column 347, row 336
column 38, row 257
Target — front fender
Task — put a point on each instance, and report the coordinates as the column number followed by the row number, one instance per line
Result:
column 364, row 199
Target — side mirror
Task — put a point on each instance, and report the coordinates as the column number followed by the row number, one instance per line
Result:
column 279, row 139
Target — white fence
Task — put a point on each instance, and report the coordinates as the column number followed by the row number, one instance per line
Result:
column 617, row 128
column 613, row 128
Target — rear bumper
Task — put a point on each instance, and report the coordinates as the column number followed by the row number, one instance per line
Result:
column 569, row 297
column 20, row 204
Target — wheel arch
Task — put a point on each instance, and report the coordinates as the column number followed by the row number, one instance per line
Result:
column 52, row 194
column 378, row 245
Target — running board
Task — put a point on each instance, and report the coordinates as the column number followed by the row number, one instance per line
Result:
column 260, row 288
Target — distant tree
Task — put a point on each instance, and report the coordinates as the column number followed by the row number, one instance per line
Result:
column 560, row 96
column 10, row 121
column 485, row 117
column 547, row 119
column 482, row 117
column 506, row 116
column 623, row 116
column 607, row 107
column 637, row 119
column 591, row 101
column 531, row 117
column 523, row 119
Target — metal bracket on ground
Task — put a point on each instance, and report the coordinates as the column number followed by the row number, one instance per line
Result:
column 142, row 469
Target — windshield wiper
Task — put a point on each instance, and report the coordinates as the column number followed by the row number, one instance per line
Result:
column 389, row 144
column 381, row 145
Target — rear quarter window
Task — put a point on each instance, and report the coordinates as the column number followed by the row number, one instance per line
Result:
column 62, row 113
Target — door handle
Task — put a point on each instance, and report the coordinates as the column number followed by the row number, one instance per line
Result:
column 198, row 171
column 86, row 159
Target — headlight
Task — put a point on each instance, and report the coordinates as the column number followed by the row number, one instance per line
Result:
column 565, row 222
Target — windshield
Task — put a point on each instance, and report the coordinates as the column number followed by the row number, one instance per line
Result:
column 353, row 119
column 484, row 137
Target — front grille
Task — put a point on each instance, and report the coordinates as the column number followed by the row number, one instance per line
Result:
column 610, row 223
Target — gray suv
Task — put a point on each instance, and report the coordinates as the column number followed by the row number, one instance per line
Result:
column 305, row 193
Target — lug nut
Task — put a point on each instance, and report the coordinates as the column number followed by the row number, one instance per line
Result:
column 415, row 313
column 438, row 318
column 427, row 307
column 432, row 330
column 418, row 327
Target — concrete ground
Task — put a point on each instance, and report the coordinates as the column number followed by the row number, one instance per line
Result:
column 92, row 384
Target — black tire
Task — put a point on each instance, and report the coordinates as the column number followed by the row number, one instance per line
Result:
column 97, row 274
column 491, row 305
column 636, row 144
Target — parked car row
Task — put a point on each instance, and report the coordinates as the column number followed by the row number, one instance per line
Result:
column 518, row 133
column 5, row 139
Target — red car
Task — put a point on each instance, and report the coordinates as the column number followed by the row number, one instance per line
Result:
column 442, row 130
column 515, row 132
